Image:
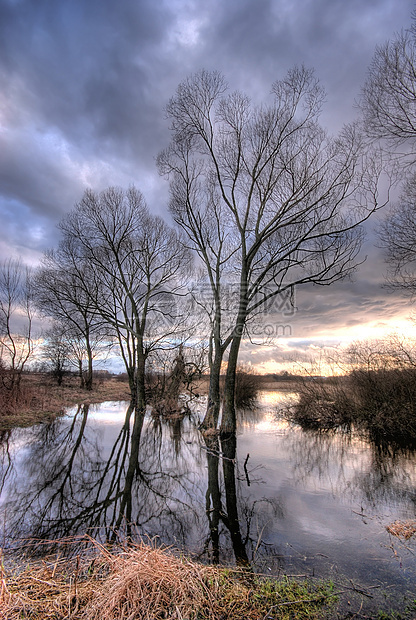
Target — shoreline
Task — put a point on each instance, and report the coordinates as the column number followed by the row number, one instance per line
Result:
column 42, row 400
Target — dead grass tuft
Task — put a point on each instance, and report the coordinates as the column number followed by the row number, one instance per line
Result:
column 402, row 529
column 145, row 582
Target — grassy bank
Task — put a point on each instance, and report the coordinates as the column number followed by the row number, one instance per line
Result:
column 40, row 399
column 144, row 582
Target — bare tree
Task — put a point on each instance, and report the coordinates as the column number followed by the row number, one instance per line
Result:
column 397, row 233
column 198, row 209
column 16, row 318
column 56, row 351
column 63, row 292
column 81, row 351
column 388, row 105
column 285, row 202
column 134, row 261
column 388, row 98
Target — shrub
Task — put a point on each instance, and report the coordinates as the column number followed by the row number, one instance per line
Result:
column 387, row 402
column 14, row 396
column 378, row 395
column 324, row 403
column 247, row 388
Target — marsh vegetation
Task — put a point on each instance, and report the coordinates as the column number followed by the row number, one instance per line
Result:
column 376, row 394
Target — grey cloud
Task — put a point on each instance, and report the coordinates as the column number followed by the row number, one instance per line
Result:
column 83, row 67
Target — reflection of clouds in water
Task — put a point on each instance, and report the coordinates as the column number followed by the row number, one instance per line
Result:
column 267, row 417
column 109, row 412
column 271, row 424
column 267, row 422
column 21, row 441
column 276, row 398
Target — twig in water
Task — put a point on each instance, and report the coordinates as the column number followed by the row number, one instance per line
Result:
column 360, row 590
column 245, row 470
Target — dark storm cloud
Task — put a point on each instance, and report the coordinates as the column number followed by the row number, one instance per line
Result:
column 85, row 69
column 348, row 305
column 77, row 105
column 83, row 85
column 97, row 74
column 255, row 43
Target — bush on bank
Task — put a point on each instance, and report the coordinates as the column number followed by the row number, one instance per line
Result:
column 377, row 395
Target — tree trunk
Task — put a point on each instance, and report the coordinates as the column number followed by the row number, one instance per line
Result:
column 81, row 374
column 140, row 382
column 229, row 421
column 89, row 375
column 216, row 355
column 214, row 399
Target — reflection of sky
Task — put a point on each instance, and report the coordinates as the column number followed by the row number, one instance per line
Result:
column 321, row 483
column 111, row 412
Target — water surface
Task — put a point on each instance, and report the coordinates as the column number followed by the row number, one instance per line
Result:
column 278, row 498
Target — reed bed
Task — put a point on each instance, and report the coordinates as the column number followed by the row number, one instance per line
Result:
column 143, row 582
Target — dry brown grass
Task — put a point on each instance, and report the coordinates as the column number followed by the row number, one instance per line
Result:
column 42, row 399
column 402, row 529
column 143, row 582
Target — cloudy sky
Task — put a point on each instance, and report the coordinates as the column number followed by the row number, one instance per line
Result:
column 83, row 88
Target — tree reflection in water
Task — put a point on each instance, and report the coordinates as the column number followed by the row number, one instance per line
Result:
column 369, row 471
column 214, row 506
column 153, row 480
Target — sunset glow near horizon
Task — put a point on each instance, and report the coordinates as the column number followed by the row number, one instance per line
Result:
column 301, row 355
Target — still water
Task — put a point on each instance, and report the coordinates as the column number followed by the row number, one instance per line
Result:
column 279, row 498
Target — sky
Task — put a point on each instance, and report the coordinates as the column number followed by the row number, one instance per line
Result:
column 83, row 85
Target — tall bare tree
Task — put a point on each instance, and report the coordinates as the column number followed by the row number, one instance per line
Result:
column 388, row 105
column 397, row 233
column 16, row 318
column 134, row 262
column 63, row 292
column 285, row 201
column 197, row 208
column 61, row 295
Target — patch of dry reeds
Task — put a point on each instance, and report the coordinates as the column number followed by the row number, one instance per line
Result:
column 323, row 403
column 143, row 582
column 402, row 529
